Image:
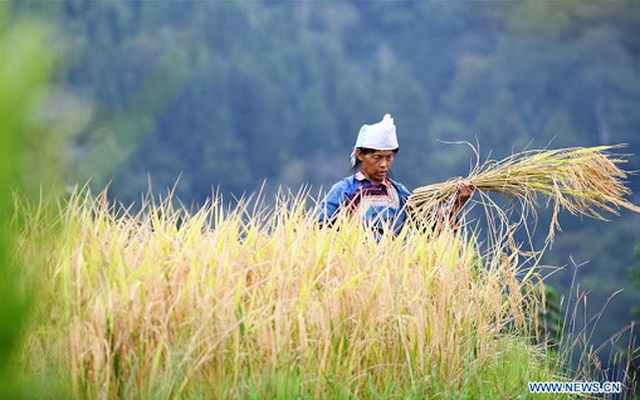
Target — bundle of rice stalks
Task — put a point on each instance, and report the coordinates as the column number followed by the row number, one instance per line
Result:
column 583, row 181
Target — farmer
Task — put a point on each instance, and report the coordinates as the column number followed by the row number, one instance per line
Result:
column 370, row 194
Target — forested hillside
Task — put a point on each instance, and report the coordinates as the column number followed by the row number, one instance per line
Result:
column 225, row 95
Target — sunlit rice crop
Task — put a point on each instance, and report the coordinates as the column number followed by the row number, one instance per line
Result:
column 256, row 301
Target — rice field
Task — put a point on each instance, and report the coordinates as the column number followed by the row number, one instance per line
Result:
column 255, row 301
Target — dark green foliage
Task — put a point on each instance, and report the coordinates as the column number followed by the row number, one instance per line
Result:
column 551, row 325
column 634, row 274
column 231, row 93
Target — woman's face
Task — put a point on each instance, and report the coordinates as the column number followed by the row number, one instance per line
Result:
column 376, row 165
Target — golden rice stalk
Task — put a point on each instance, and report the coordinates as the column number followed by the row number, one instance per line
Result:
column 583, row 181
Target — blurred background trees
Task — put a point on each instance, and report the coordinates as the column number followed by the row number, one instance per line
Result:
column 227, row 94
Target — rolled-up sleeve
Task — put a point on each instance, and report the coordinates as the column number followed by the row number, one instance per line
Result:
column 403, row 192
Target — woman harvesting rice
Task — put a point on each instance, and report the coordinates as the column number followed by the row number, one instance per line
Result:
column 369, row 193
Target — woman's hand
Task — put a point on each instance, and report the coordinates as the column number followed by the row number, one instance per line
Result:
column 465, row 190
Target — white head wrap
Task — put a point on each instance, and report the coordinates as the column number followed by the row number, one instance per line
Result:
column 380, row 136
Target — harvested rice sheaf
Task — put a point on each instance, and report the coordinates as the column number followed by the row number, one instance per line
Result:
column 583, row 181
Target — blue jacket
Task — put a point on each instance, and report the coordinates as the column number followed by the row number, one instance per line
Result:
column 380, row 206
